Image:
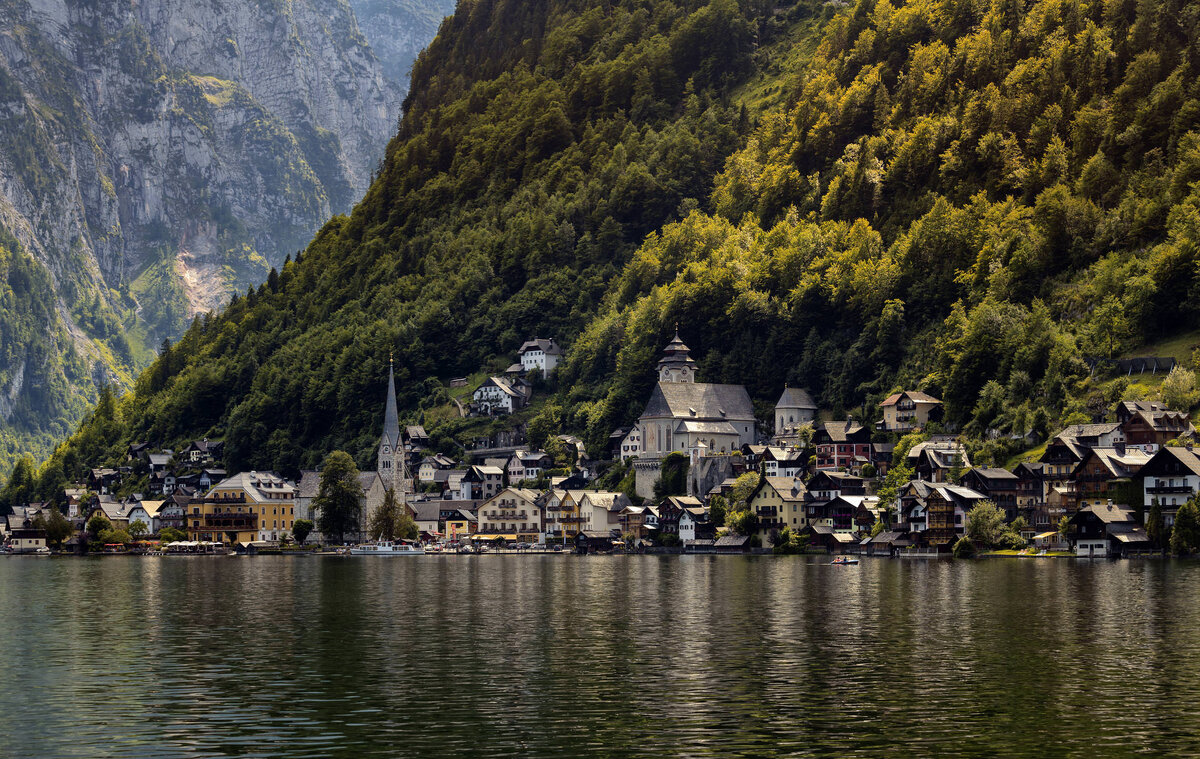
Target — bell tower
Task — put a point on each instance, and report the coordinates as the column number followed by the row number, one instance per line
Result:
column 676, row 365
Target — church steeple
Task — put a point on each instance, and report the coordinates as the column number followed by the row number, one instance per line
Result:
column 676, row 365
column 391, row 417
column 391, row 462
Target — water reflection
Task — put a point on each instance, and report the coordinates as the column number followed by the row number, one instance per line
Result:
column 621, row 656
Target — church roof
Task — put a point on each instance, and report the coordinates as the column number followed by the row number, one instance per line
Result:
column 706, row 428
column 699, row 401
column 391, row 417
column 796, row 397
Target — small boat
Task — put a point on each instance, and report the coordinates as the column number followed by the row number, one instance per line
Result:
column 388, row 548
column 844, row 560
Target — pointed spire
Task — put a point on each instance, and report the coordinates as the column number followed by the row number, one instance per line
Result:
column 391, row 416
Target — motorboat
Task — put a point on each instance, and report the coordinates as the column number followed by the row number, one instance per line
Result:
column 388, row 548
column 844, row 560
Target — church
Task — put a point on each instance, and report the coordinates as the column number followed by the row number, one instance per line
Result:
column 391, row 459
column 696, row 418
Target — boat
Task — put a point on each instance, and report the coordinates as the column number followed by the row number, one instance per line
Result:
column 844, row 560
column 388, row 548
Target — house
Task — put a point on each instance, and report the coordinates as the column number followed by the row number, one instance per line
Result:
column 826, row 537
column 243, row 508
column 693, row 523
column 1105, row 470
column 501, row 395
column 881, row 457
column 527, row 465
column 1029, row 492
column 732, row 544
column 21, row 534
column 159, row 462
column 210, row 477
column 639, row 521
column 1150, row 425
column 682, row 413
column 1106, row 530
column 103, row 480
column 670, row 510
column 600, row 510
column 824, row 486
column 415, row 437
column 431, row 464
column 782, row 462
column 540, row 355
column 595, row 542
column 460, row 525
column 999, row 485
column 202, row 451
column 172, row 512
column 1170, row 478
column 514, row 513
column 629, row 445
column 794, row 409
column 909, row 410
column 779, row 502
column 844, row 513
column 117, row 512
column 938, row 459
column 136, row 451
column 428, row 519
column 841, row 445
column 147, row 512
column 946, row 508
column 479, row 483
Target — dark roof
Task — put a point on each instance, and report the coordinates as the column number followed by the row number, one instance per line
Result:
column 1110, row 513
column 679, row 399
column 993, row 473
column 795, row 397
column 391, row 418
column 841, row 431
column 549, row 347
column 732, row 541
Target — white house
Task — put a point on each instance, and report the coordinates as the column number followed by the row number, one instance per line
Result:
column 1170, row 478
column 688, row 521
column 542, row 355
column 631, row 444
column 500, row 395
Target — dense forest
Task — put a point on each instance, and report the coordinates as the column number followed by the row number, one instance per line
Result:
column 963, row 197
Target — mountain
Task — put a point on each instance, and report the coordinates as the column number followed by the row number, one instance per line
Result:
column 399, row 29
column 964, row 197
column 156, row 157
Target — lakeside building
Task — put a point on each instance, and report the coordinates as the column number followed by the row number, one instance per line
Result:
column 244, row 508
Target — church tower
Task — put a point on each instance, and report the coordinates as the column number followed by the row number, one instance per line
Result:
column 391, row 461
column 676, row 365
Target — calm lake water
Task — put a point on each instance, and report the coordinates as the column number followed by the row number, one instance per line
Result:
column 622, row 656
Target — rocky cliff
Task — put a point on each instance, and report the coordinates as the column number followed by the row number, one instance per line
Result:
column 400, row 29
column 155, row 157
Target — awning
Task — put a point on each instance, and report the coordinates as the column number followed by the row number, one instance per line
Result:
column 1044, row 535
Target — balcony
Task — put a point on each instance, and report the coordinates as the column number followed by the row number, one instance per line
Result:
column 768, row 511
column 1169, row 489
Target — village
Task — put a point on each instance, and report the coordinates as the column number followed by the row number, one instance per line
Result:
column 696, row 473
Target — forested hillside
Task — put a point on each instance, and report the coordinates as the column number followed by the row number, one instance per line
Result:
column 962, row 197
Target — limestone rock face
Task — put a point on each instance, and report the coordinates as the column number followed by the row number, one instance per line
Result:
column 400, row 29
column 157, row 156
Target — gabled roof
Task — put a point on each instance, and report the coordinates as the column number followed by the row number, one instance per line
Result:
column 797, row 398
column 699, row 401
column 549, row 347
column 840, row 432
column 505, row 385
column 992, row 473
column 1111, row 513
column 788, row 488
column 416, row 432
column 310, row 482
column 1118, row 462
column 916, row 396
column 1187, row 458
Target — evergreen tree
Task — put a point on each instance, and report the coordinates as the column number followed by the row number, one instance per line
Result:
column 1185, row 534
column 338, row 502
column 385, row 522
column 1155, row 527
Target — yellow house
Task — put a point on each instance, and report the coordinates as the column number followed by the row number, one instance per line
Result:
column 779, row 503
column 243, row 508
column 909, row 410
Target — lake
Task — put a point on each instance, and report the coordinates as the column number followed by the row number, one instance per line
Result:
column 596, row 656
